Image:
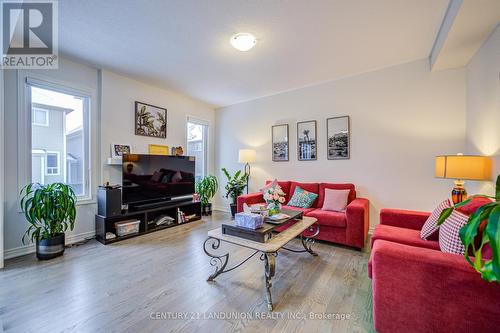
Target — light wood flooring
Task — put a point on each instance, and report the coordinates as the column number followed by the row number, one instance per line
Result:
column 140, row 284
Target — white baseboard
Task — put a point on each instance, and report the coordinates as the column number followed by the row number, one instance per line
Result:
column 370, row 230
column 30, row 248
column 221, row 209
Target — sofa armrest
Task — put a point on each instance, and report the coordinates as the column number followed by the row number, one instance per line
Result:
column 408, row 219
column 421, row 289
column 249, row 199
column 358, row 222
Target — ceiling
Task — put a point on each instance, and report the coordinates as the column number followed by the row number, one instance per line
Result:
column 184, row 45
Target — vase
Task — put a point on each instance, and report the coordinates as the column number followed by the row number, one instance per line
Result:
column 275, row 210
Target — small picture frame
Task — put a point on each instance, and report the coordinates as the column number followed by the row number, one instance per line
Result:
column 118, row 149
column 150, row 120
column 338, row 135
column 280, row 145
column 307, row 142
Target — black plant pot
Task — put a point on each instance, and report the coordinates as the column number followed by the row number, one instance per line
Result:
column 50, row 248
column 233, row 209
column 206, row 210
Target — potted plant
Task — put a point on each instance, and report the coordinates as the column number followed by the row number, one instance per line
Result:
column 206, row 189
column 235, row 186
column 483, row 227
column 50, row 210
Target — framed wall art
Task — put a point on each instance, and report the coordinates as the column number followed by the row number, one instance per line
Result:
column 150, row 120
column 307, row 148
column 338, row 138
column 280, row 143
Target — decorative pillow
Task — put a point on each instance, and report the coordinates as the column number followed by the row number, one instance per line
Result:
column 335, row 200
column 156, row 176
column 474, row 205
column 302, row 198
column 430, row 229
column 268, row 186
column 449, row 239
column 177, row 177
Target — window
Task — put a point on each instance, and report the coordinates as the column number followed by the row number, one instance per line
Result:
column 60, row 148
column 52, row 163
column 197, row 145
column 40, row 117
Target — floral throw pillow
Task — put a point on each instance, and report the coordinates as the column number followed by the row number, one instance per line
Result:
column 302, row 198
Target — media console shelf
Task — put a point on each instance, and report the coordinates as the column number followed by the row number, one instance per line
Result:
column 147, row 218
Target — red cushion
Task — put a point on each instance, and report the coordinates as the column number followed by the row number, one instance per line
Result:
column 473, row 205
column 305, row 210
column 402, row 236
column 322, row 186
column 285, row 186
column 330, row 218
column 310, row 187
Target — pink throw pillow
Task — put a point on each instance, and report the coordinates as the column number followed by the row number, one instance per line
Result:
column 335, row 200
column 430, row 229
column 449, row 238
column 268, row 186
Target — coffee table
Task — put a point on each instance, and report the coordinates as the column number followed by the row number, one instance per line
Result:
column 306, row 228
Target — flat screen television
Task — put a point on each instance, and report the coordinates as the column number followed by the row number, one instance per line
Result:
column 155, row 178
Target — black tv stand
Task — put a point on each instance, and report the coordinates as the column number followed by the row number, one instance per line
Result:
column 147, row 216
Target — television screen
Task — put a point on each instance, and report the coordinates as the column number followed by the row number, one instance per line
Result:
column 149, row 178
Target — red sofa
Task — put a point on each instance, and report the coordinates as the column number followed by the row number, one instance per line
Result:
column 348, row 228
column 418, row 288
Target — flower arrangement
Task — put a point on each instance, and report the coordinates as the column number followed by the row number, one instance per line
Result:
column 274, row 198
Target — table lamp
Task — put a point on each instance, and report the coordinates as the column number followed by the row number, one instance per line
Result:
column 247, row 156
column 462, row 167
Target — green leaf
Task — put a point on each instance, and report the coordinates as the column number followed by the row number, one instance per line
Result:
column 493, row 232
column 497, row 193
column 444, row 215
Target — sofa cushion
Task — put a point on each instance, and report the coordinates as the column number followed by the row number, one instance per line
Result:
column 430, row 229
column 309, row 187
column 285, row 186
column 323, row 186
column 304, row 210
column 302, row 198
column 403, row 236
column 329, row 218
column 449, row 239
column 335, row 200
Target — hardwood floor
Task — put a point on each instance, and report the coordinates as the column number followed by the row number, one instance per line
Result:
column 141, row 284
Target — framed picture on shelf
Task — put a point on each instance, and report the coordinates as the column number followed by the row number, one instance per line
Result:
column 307, row 149
column 118, row 149
column 158, row 149
column 150, row 120
column 338, row 136
column 280, row 143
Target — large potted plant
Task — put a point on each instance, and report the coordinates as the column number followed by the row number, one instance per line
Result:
column 482, row 228
column 206, row 189
column 235, row 186
column 50, row 210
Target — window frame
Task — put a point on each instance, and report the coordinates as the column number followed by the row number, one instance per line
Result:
column 58, row 159
column 46, row 123
column 27, row 79
column 206, row 138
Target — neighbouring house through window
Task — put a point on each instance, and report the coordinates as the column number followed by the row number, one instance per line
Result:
column 59, row 137
column 197, row 145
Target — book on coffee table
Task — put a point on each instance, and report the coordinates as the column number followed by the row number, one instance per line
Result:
column 264, row 233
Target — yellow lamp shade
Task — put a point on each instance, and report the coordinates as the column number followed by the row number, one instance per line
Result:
column 247, row 156
column 463, row 167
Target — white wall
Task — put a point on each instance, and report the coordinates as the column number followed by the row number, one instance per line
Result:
column 483, row 107
column 2, row 161
column 401, row 118
column 117, row 118
column 113, row 117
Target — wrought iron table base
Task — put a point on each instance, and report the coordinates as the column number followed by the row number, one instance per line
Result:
column 269, row 258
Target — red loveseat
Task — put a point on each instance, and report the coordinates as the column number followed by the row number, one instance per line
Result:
column 418, row 288
column 348, row 228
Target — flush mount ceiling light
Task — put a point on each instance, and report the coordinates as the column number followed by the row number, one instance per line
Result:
column 243, row 41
